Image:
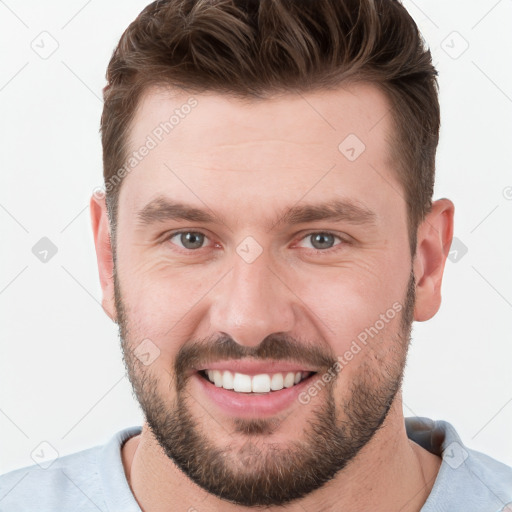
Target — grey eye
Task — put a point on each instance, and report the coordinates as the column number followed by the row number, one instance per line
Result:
column 322, row 240
column 190, row 239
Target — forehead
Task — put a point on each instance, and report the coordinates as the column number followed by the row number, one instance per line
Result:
column 216, row 119
column 214, row 144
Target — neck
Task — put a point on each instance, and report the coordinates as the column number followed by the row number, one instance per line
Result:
column 389, row 473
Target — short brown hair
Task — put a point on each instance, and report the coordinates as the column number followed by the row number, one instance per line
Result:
column 255, row 48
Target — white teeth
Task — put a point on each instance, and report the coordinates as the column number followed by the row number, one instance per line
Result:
column 242, row 383
column 289, row 380
column 261, row 383
column 227, row 380
column 277, row 382
column 217, row 378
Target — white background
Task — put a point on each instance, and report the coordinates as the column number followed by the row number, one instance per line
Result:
column 61, row 375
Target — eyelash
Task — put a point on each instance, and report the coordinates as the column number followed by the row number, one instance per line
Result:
column 343, row 241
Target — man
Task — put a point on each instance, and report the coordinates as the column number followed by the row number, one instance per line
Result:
column 267, row 238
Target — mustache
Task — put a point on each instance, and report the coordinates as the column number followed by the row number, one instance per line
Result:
column 277, row 347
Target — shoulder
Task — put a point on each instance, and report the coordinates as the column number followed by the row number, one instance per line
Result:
column 73, row 482
column 36, row 488
column 467, row 479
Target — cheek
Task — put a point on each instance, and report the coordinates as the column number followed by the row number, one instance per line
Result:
column 158, row 288
column 162, row 304
column 357, row 305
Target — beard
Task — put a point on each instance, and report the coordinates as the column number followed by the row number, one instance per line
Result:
column 255, row 471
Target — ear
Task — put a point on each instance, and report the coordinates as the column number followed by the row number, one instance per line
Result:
column 435, row 235
column 101, row 232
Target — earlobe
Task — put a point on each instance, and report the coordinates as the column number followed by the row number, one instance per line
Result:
column 434, row 239
column 102, row 242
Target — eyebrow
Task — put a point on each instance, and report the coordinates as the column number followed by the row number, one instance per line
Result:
column 163, row 209
column 336, row 210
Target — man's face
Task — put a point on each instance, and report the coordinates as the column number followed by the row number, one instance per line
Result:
column 261, row 277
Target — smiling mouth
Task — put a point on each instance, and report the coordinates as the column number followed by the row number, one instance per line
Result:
column 264, row 383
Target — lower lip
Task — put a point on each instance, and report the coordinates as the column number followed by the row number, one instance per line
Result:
column 247, row 405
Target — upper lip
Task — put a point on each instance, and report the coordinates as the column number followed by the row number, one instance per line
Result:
column 256, row 367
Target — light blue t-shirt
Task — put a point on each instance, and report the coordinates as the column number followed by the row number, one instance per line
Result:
column 94, row 480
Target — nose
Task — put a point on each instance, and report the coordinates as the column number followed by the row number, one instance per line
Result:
column 252, row 302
